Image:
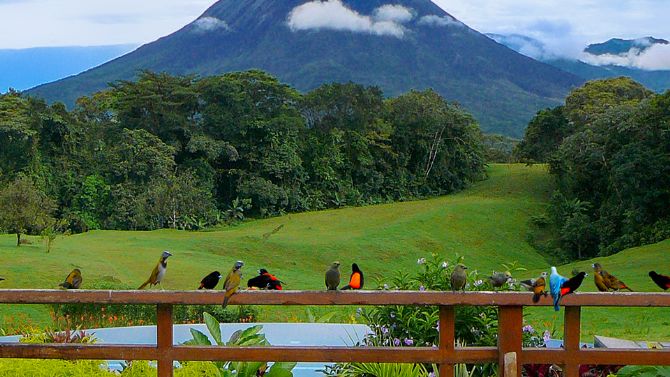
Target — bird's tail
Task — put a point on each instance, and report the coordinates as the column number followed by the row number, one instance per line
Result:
column 225, row 302
column 556, row 307
column 201, row 285
column 65, row 285
column 345, row 288
column 626, row 287
column 536, row 298
column 144, row 285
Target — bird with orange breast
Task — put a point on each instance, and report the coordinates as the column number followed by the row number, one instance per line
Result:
column 356, row 279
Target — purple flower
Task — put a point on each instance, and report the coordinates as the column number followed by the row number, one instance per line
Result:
column 385, row 330
column 477, row 283
column 359, row 311
column 396, row 342
column 409, row 342
column 546, row 336
column 528, row 329
column 431, row 374
column 422, row 288
column 445, row 264
column 421, row 261
column 392, row 315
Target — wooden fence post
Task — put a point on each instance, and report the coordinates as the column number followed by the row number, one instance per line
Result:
column 510, row 337
column 447, row 337
column 164, row 340
column 571, row 336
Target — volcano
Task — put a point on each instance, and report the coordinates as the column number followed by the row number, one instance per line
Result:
column 398, row 45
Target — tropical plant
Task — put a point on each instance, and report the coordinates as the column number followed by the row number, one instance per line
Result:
column 251, row 336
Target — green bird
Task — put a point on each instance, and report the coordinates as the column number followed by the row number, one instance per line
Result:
column 459, row 278
column 159, row 271
column 232, row 281
column 333, row 276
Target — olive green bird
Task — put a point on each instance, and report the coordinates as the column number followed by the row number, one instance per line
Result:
column 159, row 271
column 459, row 278
column 72, row 280
column 232, row 281
column 333, row 276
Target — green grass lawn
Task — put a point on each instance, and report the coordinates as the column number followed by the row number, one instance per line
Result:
column 486, row 223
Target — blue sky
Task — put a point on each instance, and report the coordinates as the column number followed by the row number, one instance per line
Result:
column 563, row 24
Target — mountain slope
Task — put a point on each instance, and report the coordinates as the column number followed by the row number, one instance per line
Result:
column 25, row 68
column 367, row 41
column 602, row 54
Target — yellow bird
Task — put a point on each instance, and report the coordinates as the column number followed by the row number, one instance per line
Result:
column 158, row 272
column 232, row 281
column 73, row 280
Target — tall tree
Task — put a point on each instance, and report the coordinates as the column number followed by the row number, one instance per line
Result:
column 24, row 208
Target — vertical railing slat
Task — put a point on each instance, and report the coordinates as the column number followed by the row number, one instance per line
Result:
column 164, row 340
column 571, row 336
column 510, row 336
column 447, row 339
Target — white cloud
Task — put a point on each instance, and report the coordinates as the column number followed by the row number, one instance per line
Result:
column 393, row 13
column 334, row 15
column 656, row 57
column 207, row 24
column 434, row 20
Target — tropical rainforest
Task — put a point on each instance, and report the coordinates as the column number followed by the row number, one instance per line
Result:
column 186, row 153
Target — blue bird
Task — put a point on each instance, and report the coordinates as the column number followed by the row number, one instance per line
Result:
column 555, row 283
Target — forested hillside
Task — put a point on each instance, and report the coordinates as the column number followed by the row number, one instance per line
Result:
column 181, row 152
column 609, row 150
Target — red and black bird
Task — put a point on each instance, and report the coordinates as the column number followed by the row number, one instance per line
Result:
column 356, row 279
column 210, row 281
column 265, row 280
column 662, row 281
column 571, row 285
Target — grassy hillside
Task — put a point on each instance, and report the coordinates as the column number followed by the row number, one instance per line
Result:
column 486, row 223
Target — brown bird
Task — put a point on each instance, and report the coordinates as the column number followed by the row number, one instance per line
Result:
column 232, row 282
column 333, row 276
column 610, row 280
column 662, row 281
column 459, row 278
column 598, row 278
column 158, row 272
column 72, row 280
column 537, row 286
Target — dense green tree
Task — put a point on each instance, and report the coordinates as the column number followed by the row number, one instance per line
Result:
column 544, row 135
column 583, row 105
column 24, row 208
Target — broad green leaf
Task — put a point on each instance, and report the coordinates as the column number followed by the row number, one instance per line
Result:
column 199, row 339
column 213, row 327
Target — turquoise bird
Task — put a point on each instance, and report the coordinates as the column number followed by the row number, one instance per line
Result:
column 555, row 283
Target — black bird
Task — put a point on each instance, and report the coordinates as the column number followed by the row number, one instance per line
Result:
column 210, row 281
column 662, row 281
column 571, row 285
column 265, row 280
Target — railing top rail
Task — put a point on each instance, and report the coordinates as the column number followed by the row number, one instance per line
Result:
column 30, row 296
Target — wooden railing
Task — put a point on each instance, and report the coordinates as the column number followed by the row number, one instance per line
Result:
column 509, row 354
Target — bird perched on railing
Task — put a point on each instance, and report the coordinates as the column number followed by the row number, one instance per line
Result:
column 232, row 282
column 538, row 286
column 210, row 281
column 598, row 278
column 498, row 279
column 265, row 280
column 158, row 272
column 555, row 283
column 610, row 281
column 458, row 278
column 72, row 280
column 573, row 284
column 662, row 281
column 333, row 276
column 356, row 279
